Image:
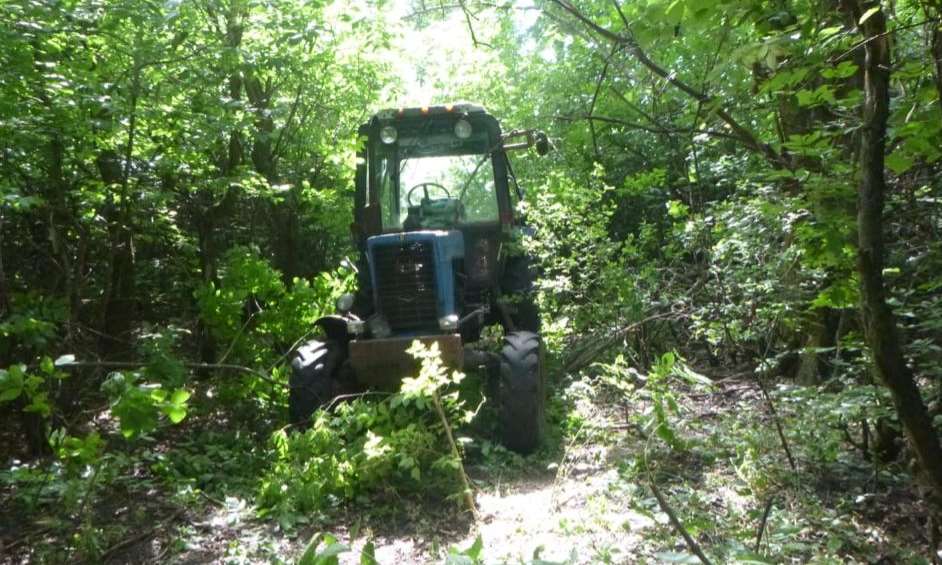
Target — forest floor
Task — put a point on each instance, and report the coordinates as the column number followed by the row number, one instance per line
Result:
column 584, row 498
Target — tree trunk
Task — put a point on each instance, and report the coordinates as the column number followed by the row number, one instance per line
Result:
column 209, row 215
column 937, row 56
column 822, row 334
column 880, row 323
column 117, row 311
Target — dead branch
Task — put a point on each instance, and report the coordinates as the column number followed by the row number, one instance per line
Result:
column 462, row 475
column 778, row 423
column 765, row 519
column 141, row 535
column 692, row 544
column 596, row 345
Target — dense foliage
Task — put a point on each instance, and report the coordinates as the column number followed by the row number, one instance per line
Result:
column 727, row 199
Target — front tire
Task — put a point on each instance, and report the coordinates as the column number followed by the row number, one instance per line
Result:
column 522, row 391
column 313, row 380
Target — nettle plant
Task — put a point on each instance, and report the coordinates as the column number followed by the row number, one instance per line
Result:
column 398, row 443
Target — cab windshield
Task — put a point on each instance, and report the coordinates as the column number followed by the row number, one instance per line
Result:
column 436, row 182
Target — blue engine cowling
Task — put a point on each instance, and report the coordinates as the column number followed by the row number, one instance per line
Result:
column 413, row 278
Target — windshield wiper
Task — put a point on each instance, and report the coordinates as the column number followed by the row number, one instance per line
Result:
column 467, row 183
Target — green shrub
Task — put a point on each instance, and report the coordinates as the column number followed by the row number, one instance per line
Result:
column 366, row 445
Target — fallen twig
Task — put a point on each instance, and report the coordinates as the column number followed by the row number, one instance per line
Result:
column 765, row 519
column 692, row 544
column 468, row 493
column 141, row 535
column 778, row 424
column 5, row 548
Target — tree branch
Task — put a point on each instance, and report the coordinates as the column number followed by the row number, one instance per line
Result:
column 692, row 544
column 139, row 364
column 740, row 132
column 650, row 129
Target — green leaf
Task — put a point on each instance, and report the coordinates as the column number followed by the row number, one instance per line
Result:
column 834, row 544
column 176, row 412
column 475, row 550
column 327, row 556
column 180, row 396
column 750, row 558
column 843, row 70
column 11, row 385
column 330, row 553
column 868, row 14
column 310, row 551
column 368, row 554
column 899, row 162
column 136, row 412
column 675, row 12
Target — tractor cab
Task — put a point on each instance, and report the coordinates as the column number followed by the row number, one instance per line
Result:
column 434, row 168
column 432, row 213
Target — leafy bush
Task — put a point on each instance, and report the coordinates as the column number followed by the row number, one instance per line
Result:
column 657, row 389
column 362, row 446
column 255, row 315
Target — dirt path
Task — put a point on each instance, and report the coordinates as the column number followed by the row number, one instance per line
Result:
column 572, row 513
column 583, row 501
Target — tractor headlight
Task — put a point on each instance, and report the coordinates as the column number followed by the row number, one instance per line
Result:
column 388, row 135
column 448, row 323
column 463, row 129
column 344, row 303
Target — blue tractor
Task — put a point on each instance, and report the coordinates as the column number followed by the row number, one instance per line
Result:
column 439, row 260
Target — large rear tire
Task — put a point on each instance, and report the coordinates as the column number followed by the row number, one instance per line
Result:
column 313, row 380
column 522, row 394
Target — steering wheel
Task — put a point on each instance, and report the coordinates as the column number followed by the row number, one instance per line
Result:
column 424, row 186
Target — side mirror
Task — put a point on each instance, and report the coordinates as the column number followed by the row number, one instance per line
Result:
column 541, row 143
column 531, row 138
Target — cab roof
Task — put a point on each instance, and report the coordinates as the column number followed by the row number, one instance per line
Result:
column 444, row 109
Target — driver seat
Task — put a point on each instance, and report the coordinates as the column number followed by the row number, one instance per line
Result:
column 441, row 213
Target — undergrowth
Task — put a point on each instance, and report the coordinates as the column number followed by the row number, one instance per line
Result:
column 395, row 444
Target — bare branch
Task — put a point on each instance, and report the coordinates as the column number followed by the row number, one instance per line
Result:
column 740, row 132
column 651, row 129
column 468, row 16
column 692, row 544
column 139, row 364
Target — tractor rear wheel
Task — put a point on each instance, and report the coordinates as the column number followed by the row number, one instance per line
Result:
column 313, row 378
column 522, row 391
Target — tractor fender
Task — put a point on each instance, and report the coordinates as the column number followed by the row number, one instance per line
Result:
column 335, row 327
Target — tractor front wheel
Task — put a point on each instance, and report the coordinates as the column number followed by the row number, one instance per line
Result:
column 313, row 379
column 522, row 393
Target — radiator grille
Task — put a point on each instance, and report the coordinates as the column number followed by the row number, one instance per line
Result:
column 405, row 285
